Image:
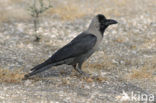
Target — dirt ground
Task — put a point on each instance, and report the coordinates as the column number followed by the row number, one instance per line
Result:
column 122, row 71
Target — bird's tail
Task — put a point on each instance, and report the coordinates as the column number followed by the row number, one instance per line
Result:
column 37, row 71
column 39, row 68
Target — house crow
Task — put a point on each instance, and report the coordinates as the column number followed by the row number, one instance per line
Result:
column 79, row 49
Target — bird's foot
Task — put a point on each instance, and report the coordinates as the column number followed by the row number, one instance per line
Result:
column 85, row 75
column 25, row 77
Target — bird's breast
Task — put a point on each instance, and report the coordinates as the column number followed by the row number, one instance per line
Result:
column 98, row 43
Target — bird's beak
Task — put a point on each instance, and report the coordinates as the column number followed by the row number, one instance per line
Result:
column 111, row 21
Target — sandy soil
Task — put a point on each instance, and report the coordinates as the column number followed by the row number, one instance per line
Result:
column 125, row 65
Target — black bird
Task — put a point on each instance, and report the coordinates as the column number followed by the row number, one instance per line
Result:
column 79, row 49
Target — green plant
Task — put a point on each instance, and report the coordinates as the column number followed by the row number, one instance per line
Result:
column 36, row 10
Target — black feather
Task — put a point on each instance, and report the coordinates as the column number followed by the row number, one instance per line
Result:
column 102, row 19
column 78, row 46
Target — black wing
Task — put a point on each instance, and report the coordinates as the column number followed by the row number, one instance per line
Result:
column 79, row 45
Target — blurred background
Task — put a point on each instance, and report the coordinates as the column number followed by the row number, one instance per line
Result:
column 32, row 30
column 74, row 9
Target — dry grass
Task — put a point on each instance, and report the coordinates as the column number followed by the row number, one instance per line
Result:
column 12, row 14
column 78, row 9
column 144, row 72
column 73, row 9
column 149, row 43
column 11, row 9
column 141, row 73
column 11, row 76
column 105, row 63
column 67, row 12
column 120, row 39
column 68, row 9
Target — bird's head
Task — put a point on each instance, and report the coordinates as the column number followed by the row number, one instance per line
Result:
column 104, row 23
column 101, row 23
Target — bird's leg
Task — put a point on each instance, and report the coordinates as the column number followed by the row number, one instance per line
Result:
column 78, row 69
column 74, row 66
